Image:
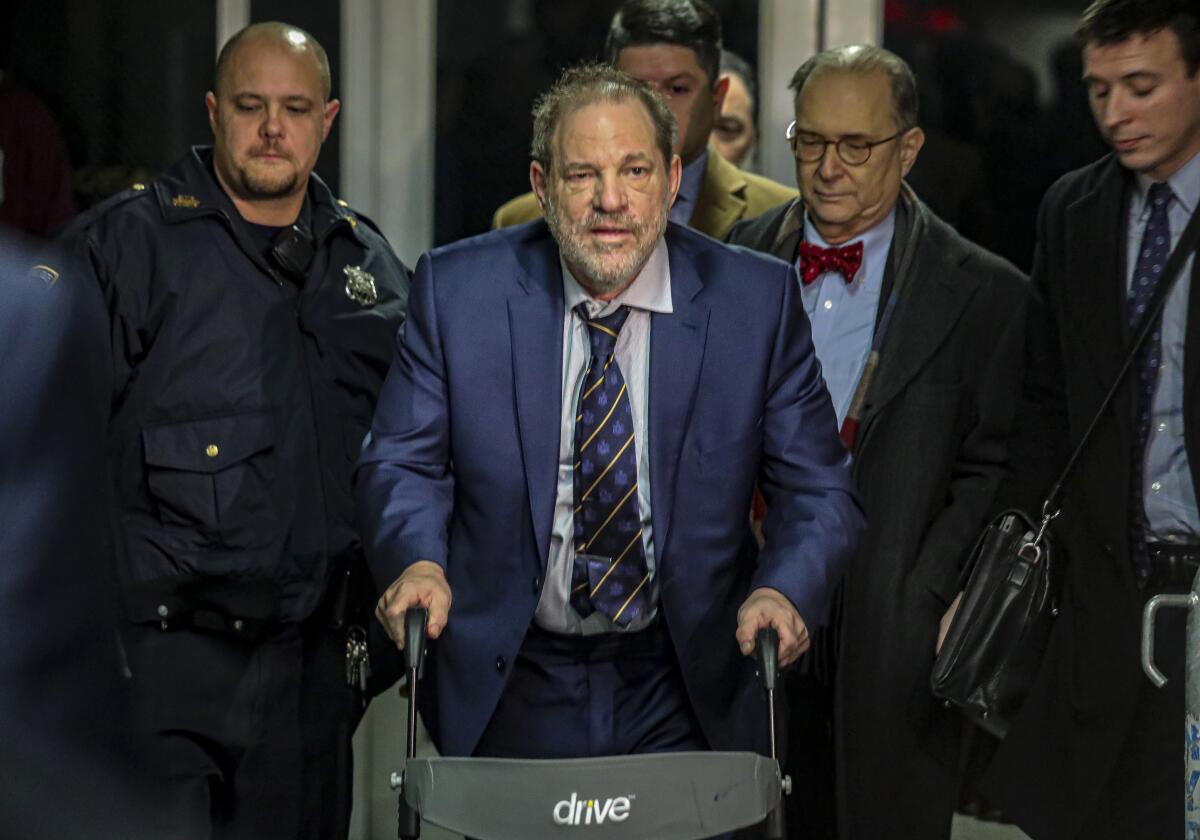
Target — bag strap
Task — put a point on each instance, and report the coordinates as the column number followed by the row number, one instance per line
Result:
column 1052, row 505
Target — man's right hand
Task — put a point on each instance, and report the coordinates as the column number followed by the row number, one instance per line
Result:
column 423, row 584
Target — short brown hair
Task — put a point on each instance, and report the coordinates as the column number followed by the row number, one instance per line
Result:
column 1107, row 22
column 585, row 85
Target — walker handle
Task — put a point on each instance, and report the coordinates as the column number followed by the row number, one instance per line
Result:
column 767, row 650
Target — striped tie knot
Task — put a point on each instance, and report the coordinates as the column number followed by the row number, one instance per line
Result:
column 603, row 332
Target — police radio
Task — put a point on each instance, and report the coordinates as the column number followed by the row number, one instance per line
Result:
column 292, row 252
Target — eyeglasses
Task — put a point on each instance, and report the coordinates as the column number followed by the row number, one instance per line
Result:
column 854, row 151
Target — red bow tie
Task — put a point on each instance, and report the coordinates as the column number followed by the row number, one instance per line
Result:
column 815, row 261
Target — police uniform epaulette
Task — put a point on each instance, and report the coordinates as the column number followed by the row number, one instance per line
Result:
column 96, row 211
column 355, row 216
column 131, row 192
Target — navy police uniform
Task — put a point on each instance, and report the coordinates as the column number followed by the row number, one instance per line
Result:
column 244, row 379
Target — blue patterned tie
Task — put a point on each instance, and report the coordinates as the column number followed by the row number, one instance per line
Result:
column 1152, row 257
column 610, row 573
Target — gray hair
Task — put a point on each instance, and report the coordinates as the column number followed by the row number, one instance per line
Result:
column 586, row 85
column 862, row 58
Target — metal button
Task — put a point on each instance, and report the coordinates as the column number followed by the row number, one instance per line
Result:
column 1162, row 427
column 163, row 611
column 829, row 304
column 212, row 451
column 501, row 664
column 238, row 624
column 1156, row 486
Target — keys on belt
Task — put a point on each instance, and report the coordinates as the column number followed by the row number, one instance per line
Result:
column 358, row 660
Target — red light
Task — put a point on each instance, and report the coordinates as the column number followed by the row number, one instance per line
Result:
column 942, row 21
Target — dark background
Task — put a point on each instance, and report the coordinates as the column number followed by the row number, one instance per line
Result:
column 1001, row 97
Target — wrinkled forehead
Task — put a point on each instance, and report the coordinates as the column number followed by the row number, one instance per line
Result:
column 606, row 127
column 838, row 103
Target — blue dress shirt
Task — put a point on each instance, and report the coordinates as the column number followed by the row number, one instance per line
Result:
column 1169, row 495
column 690, row 183
column 843, row 314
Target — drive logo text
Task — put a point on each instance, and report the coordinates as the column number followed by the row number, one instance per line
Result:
column 576, row 811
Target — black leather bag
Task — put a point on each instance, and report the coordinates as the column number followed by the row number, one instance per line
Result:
column 995, row 642
column 994, row 645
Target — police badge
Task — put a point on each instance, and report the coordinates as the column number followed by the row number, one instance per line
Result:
column 360, row 286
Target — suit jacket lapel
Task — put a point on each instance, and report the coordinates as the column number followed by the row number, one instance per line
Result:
column 720, row 202
column 535, row 315
column 1094, row 286
column 929, row 306
column 676, row 354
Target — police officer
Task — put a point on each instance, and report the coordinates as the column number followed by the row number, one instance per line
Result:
column 251, row 318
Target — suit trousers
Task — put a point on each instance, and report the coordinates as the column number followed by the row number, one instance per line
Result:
column 585, row 696
column 244, row 739
column 588, row 696
column 1143, row 797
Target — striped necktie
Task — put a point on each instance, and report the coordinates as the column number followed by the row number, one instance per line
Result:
column 610, row 574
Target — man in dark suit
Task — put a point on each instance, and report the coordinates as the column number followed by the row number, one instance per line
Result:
column 675, row 47
column 1096, row 751
column 590, row 522
column 910, row 323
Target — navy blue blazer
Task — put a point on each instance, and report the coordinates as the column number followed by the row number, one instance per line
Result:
column 461, row 464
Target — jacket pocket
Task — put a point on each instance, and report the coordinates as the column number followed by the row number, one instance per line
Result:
column 215, row 476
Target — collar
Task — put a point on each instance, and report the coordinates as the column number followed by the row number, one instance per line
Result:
column 650, row 290
column 692, row 178
column 1185, row 184
column 876, row 241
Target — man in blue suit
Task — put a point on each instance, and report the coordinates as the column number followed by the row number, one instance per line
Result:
column 562, row 459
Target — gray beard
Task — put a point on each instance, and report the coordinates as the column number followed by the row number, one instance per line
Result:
column 597, row 278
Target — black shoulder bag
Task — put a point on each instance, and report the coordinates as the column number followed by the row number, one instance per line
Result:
column 995, row 642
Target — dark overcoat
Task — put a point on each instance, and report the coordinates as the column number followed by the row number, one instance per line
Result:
column 1053, row 766
column 931, row 451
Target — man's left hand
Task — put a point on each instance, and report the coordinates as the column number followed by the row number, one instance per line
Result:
column 769, row 608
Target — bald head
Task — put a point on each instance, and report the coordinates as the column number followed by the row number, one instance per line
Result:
column 274, row 34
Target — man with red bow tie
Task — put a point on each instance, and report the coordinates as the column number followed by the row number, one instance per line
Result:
column 916, row 332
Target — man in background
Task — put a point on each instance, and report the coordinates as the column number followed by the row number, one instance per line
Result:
column 675, row 47
column 735, row 133
column 915, row 330
column 1096, row 752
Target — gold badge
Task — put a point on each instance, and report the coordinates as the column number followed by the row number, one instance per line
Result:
column 360, row 286
column 189, row 201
